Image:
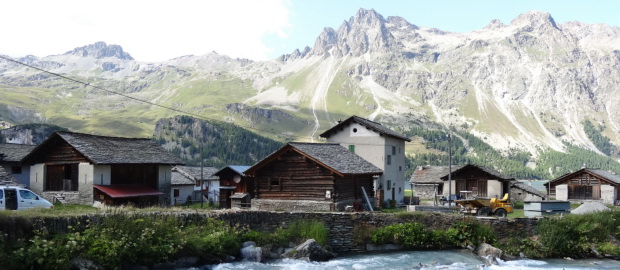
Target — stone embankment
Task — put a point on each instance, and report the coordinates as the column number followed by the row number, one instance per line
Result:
column 346, row 230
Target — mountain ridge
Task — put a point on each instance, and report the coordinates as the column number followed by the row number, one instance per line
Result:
column 527, row 85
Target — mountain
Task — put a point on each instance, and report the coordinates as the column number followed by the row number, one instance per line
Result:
column 530, row 86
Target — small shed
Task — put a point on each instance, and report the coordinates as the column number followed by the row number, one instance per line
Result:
column 234, row 187
column 189, row 182
column 12, row 161
column 478, row 181
column 426, row 181
column 312, row 177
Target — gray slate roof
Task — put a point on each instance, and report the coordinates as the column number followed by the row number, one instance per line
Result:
column 611, row 176
column 336, row 157
column 381, row 129
column 430, row 174
column 489, row 171
column 193, row 172
column 527, row 188
column 14, row 153
column 116, row 150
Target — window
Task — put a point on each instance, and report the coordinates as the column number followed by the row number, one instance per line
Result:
column 26, row 194
column 352, row 148
column 176, row 192
column 389, row 159
column 393, row 150
column 389, row 184
column 16, row 169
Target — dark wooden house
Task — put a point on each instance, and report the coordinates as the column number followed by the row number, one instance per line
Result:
column 477, row 181
column 83, row 168
column 586, row 184
column 235, row 189
column 311, row 177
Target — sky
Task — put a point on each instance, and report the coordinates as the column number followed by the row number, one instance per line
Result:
column 157, row 30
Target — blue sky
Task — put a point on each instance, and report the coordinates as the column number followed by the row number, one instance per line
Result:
column 157, row 30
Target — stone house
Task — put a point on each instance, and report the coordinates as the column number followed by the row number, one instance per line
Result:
column 82, row 168
column 477, row 181
column 520, row 191
column 426, row 181
column 312, row 177
column 236, row 190
column 189, row 182
column 381, row 146
column 12, row 161
column 586, row 184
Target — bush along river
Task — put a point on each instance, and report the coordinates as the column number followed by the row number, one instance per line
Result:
column 161, row 240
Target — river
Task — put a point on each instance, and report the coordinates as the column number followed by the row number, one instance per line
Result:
column 444, row 260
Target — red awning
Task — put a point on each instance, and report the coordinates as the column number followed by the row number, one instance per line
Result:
column 126, row 191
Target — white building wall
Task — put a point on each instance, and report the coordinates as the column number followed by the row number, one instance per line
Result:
column 85, row 183
column 164, row 184
column 608, row 194
column 561, row 192
column 102, row 175
column 494, row 189
column 185, row 191
column 37, row 177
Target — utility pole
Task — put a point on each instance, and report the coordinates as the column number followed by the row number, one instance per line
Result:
column 201, row 181
column 449, row 169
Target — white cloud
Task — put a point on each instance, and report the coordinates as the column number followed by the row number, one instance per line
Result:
column 148, row 30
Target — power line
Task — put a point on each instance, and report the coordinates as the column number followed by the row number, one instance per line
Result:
column 201, row 117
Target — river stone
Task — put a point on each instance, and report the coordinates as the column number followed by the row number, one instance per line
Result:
column 251, row 253
column 489, row 254
column 309, row 250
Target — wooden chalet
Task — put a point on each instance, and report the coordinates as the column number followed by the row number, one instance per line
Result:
column 83, row 168
column 477, row 181
column 586, row 184
column 236, row 190
column 312, row 177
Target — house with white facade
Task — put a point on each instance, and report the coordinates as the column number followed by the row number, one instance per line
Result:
column 189, row 182
column 82, row 168
column 381, row 146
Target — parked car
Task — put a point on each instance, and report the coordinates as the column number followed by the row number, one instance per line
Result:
column 15, row 197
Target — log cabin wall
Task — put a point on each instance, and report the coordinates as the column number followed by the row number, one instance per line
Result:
column 349, row 188
column 294, row 177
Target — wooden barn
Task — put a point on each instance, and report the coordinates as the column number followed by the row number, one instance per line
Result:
column 83, row 168
column 236, row 190
column 312, row 177
column 587, row 184
column 477, row 181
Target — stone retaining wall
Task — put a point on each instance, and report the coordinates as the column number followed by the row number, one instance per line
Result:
column 346, row 230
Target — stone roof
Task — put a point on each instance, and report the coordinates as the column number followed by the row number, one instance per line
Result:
column 430, row 174
column 14, row 153
column 527, row 188
column 491, row 172
column 333, row 156
column 114, row 150
column 188, row 175
column 238, row 169
column 614, row 178
column 371, row 125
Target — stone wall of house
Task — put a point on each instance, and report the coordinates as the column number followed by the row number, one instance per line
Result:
column 291, row 205
column 346, row 230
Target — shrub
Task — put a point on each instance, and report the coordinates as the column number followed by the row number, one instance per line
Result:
column 409, row 235
column 44, row 252
column 301, row 230
column 470, row 233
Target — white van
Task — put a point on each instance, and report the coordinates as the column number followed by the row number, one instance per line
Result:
column 15, row 197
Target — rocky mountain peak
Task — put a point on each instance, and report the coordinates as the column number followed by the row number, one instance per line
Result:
column 494, row 24
column 100, row 50
column 535, row 19
column 365, row 32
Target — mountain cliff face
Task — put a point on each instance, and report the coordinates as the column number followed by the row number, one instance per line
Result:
column 529, row 84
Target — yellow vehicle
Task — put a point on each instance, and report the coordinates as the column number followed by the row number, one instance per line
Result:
column 485, row 206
